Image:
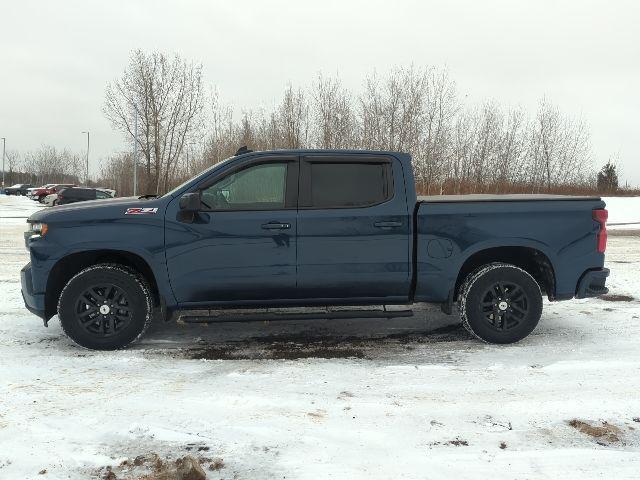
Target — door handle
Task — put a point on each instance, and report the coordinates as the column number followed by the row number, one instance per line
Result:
column 387, row 224
column 276, row 226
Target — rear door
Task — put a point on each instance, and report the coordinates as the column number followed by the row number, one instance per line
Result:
column 353, row 228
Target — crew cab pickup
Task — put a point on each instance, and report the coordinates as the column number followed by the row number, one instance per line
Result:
column 306, row 228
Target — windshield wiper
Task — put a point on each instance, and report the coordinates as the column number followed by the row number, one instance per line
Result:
column 148, row 195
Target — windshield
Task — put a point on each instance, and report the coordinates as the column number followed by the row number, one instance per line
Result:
column 182, row 185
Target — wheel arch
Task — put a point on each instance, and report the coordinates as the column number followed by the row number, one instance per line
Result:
column 531, row 260
column 71, row 264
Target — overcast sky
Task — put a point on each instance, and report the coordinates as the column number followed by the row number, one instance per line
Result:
column 56, row 57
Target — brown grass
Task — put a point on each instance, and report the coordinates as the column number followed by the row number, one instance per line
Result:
column 616, row 298
column 605, row 432
column 153, row 467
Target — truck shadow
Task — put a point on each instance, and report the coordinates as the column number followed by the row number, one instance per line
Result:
column 304, row 339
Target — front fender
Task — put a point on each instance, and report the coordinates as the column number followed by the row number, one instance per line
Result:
column 143, row 238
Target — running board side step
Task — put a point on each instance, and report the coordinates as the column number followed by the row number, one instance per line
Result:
column 226, row 316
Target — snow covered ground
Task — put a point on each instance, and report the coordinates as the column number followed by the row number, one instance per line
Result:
column 624, row 213
column 404, row 398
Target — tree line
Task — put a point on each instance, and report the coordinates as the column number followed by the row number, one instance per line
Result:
column 46, row 164
column 456, row 148
column 161, row 107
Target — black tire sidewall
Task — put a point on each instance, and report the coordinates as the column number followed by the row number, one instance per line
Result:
column 474, row 318
column 137, row 295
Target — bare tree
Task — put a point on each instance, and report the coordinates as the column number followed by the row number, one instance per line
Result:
column 334, row 120
column 47, row 164
column 411, row 110
column 558, row 148
column 12, row 162
column 292, row 119
column 165, row 94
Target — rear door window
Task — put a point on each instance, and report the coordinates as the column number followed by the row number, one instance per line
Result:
column 343, row 184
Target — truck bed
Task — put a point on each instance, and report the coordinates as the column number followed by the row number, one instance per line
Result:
column 533, row 197
column 452, row 228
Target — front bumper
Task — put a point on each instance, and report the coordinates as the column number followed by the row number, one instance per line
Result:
column 33, row 301
column 592, row 283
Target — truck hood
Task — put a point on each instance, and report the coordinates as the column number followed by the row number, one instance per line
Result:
column 112, row 208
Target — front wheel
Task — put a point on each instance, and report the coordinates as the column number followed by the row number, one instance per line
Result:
column 500, row 303
column 105, row 307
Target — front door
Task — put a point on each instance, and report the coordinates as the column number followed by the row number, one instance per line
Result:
column 241, row 246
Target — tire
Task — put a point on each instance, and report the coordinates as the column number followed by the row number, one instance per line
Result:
column 105, row 307
column 500, row 295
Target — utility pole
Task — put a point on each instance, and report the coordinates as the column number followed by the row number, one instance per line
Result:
column 86, row 178
column 4, row 141
column 135, row 154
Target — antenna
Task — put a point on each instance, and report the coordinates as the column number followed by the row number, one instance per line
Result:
column 242, row 150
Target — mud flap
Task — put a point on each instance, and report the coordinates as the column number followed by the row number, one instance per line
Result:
column 447, row 307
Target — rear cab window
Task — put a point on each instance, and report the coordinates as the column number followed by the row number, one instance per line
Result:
column 336, row 182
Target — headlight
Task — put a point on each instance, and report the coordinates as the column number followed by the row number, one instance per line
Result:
column 38, row 229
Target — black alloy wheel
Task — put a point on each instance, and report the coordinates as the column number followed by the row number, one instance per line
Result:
column 500, row 303
column 504, row 305
column 105, row 306
column 103, row 310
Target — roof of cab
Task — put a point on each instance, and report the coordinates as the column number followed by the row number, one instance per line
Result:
column 323, row 152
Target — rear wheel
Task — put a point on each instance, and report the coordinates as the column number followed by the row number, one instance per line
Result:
column 500, row 303
column 105, row 307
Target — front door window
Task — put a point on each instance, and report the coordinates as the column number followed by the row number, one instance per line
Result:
column 260, row 187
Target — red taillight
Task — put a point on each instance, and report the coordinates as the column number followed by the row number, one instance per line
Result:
column 601, row 216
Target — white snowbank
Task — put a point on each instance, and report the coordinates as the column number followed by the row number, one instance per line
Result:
column 624, row 212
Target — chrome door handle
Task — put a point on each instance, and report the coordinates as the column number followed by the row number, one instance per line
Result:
column 276, row 226
column 387, row 224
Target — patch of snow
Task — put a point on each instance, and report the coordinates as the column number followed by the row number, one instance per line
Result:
column 15, row 209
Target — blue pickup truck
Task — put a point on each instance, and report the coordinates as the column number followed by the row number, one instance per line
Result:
column 305, row 228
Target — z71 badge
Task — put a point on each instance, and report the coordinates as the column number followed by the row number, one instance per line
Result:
column 141, row 211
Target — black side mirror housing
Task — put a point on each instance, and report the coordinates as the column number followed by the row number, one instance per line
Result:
column 190, row 202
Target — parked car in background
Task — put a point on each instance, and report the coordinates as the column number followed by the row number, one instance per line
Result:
column 81, row 194
column 32, row 190
column 41, row 193
column 50, row 200
column 17, row 189
column 110, row 191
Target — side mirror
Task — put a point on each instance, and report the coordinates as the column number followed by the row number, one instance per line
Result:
column 190, row 202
